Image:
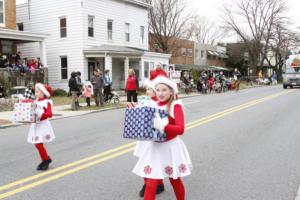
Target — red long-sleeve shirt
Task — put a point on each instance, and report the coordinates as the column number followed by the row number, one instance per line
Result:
column 131, row 83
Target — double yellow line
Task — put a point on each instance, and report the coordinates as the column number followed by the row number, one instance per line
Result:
column 42, row 178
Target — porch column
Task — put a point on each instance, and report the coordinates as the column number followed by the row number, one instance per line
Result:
column 126, row 68
column 142, row 70
column 108, row 64
column 43, row 53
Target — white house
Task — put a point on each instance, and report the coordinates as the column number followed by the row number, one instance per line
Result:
column 85, row 34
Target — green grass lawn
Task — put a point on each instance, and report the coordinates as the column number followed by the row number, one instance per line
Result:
column 3, row 122
column 64, row 100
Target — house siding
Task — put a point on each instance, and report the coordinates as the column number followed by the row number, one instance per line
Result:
column 44, row 18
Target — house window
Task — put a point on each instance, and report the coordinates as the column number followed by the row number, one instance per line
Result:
column 202, row 54
column 190, row 52
column 127, row 33
column 64, row 67
column 183, row 51
column 2, row 13
column 7, row 46
column 20, row 26
column 146, row 69
column 109, row 29
column 91, row 26
column 142, row 29
column 63, row 27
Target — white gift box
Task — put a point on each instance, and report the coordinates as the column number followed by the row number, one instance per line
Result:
column 24, row 112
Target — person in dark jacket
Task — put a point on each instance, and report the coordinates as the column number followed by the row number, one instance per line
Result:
column 74, row 89
column 97, row 81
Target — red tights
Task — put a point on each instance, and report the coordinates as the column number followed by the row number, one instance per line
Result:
column 42, row 151
column 151, row 185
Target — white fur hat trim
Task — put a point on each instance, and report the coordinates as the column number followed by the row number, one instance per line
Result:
column 42, row 88
column 166, row 81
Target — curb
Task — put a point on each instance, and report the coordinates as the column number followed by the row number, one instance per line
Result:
column 10, row 125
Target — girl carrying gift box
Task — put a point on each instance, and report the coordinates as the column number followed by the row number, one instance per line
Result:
column 170, row 159
column 41, row 131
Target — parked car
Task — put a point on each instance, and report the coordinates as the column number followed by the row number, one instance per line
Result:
column 18, row 92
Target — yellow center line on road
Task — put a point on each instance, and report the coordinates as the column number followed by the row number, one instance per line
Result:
column 59, row 175
column 232, row 110
column 113, row 153
column 236, row 107
column 30, row 178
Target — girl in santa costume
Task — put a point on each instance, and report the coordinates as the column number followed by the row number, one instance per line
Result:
column 41, row 131
column 141, row 145
column 169, row 159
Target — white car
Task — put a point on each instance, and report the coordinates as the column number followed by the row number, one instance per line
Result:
column 18, row 92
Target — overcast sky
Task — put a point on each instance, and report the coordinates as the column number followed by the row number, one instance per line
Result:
column 212, row 9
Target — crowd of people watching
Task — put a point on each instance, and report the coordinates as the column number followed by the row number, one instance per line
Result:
column 19, row 64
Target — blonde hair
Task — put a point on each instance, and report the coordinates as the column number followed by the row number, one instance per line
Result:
column 131, row 72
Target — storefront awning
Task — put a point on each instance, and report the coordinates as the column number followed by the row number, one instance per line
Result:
column 219, row 68
column 189, row 67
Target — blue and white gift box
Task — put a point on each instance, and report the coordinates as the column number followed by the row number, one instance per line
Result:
column 139, row 124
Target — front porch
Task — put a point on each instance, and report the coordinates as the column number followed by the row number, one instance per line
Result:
column 118, row 60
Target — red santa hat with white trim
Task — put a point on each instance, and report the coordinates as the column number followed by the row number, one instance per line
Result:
column 168, row 82
column 45, row 89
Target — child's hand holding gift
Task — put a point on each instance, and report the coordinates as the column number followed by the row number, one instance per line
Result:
column 160, row 123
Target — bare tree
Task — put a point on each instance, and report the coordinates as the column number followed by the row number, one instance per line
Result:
column 281, row 39
column 253, row 21
column 201, row 30
column 167, row 21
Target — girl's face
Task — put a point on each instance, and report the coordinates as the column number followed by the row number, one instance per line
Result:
column 38, row 94
column 163, row 92
column 150, row 92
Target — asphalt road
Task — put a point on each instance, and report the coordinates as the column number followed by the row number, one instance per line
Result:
column 244, row 146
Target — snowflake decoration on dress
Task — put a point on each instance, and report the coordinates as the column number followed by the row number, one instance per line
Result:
column 169, row 170
column 147, row 170
column 48, row 137
column 182, row 168
column 36, row 138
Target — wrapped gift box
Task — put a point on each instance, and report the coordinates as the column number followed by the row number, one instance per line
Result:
column 24, row 112
column 139, row 124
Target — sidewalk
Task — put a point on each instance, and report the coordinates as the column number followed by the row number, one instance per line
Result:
column 63, row 111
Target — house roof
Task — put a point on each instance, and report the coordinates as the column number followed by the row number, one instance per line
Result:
column 112, row 49
column 139, row 3
column 22, row 36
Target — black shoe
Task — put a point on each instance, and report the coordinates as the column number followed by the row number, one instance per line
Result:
column 44, row 165
column 160, row 188
column 142, row 191
column 39, row 167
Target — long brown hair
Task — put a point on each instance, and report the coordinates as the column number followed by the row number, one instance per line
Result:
column 172, row 98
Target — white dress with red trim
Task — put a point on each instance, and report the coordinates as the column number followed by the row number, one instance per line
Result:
column 168, row 159
column 41, row 131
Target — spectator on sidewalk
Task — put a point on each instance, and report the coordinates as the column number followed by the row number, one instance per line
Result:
column 131, row 86
column 107, row 86
column 80, row 87
column 87, row 93
column 97, row 81
column 74, row 89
